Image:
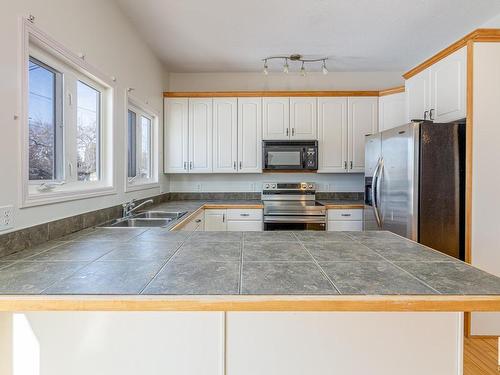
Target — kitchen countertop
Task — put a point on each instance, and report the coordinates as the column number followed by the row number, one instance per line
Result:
column 158, row 269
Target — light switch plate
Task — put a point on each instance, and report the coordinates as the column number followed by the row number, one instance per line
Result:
column 6, row 217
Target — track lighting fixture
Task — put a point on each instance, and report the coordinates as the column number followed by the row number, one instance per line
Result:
column 296, row 58
column 324, row 69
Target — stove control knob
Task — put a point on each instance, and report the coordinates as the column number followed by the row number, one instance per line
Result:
column 310, row 186
column 273, row 186
column 267, row 186
column 303, row 186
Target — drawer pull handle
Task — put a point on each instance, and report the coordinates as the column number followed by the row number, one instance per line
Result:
column 197, row 221
column 244, row 214
column 345, row 214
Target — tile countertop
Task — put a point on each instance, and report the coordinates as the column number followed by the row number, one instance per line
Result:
column 157, row 269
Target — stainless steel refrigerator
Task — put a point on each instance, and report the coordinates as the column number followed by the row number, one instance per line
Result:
column 415, row 184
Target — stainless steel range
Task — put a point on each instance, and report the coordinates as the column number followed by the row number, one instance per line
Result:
column 292, row 206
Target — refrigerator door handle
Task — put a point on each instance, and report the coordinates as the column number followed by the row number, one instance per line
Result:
column 374, row 193
column 377, row 198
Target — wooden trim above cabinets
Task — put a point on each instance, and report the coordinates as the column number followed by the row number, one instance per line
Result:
column 391, row 91
column 246, row 94
column 478, row 35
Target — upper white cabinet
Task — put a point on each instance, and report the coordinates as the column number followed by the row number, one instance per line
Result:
column 200, row 135
column 249, row 135
column 362, row 118
column 276, row 118
column 391, row 111
column 439, row 92
column 332, row 134
column 176, row 136
column 303, row 118
column 449, row 87
column 225, row 135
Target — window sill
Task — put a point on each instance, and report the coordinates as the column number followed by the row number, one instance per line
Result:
column 141, row 186
column 58, row 196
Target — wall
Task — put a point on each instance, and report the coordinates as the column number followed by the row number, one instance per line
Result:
column 485, row 180
column 281, row 81
column 104, row 34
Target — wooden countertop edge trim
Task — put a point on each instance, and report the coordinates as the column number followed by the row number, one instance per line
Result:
column 478, row 35
column 248, row 94
column 392, row 91
column 251, row 303
column 344, row 206
column 187, row 219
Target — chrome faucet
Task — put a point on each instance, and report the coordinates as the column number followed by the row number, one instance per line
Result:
column 130, row 207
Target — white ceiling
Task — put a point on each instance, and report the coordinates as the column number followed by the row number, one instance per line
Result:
column 359, row 35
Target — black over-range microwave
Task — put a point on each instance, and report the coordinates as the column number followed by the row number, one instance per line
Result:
column 290, row 155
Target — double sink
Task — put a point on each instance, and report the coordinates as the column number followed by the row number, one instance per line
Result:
column 147, row 219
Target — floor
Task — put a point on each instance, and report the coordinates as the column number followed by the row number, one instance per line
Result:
column 481, row 356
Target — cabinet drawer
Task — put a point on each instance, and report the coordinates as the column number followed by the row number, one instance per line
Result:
column 244, row 226
column 345, row 214
column 196, row 223
column 335, row 226
column 250, row 214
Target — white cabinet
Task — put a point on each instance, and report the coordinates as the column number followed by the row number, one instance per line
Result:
column 200, row 135
column 195, row 224
column 449, row 87
column 439, row 92
column 188, row 135
column 215, row 220
column 276, row 118
column 225, row 135
column 176, row 136
column 362, row 114
column 303, row 118
column 332, row 135
column 392, row 111
column 250, row 135
column 233, row 219
column 418, row 95
column 345, row 220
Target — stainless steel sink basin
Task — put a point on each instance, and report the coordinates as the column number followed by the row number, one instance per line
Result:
column 138, row 222
column 159, row 215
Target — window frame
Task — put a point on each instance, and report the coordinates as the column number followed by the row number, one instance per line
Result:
column 141, row 109
column 38, row 45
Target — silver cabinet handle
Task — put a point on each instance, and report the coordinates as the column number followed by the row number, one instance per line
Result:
column 346, row 215
column 287, row 132
column 425, row 114
column 345, row 165
column 234, row 165
column 430, row 114
column 293, row 132
column 244, row 214
column 197, row 221
column 223, row 218
column 350, row 165
column 185, row 165
column 190, row 165
column 241, row 165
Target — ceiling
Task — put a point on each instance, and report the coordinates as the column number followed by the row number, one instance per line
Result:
column 358, row 35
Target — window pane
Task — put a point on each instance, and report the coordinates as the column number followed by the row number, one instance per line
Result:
column 42, row 121
column 88, row 118
column 145, row 162
column 132, row 142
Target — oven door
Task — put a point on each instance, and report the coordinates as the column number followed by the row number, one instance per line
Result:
column 286, row 223
column 284, row 157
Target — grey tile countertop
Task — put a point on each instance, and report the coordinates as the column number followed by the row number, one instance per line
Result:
column 120, row 261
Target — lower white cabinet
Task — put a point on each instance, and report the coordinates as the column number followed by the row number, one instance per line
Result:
column 345, row 220
column 233, row 219
column 195, row 224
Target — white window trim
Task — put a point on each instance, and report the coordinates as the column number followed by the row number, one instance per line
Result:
column 152, row 183
column 29, row 197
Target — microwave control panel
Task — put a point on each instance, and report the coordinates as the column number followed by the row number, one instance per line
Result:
column 310, row 158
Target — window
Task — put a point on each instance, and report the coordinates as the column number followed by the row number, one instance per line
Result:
column 68, row 125
column 142, row 141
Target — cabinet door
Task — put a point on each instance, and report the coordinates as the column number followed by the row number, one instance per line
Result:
column 362, row 121
column 347, row 225
column 200, row 135
column 303, row 118
column 244, row 226
column 392, row 111
column 418, row 89
column 176, row 136
column 215, row 220
column 276, row 118
column 449, row 86
column 225, row 128
column 332, row 134
column 250, row 135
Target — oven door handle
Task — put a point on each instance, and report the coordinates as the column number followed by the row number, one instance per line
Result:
column 295, row 219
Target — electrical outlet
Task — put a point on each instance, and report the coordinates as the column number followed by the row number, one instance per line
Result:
column 6, row 217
